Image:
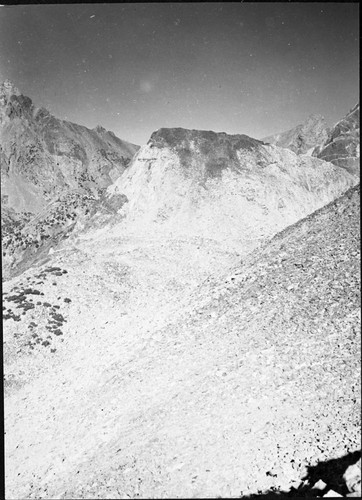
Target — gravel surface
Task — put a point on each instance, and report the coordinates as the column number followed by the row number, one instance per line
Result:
column 181, row 371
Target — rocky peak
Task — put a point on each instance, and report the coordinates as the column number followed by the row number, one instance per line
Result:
column 7, row 89
column 314, row 122
column 100, row 130
column 42, row 156
column 41, row 114
column 302, row 138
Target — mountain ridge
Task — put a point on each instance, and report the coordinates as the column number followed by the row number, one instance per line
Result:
column 41, row 155
column 342, row 146
column 203, row 182
column 303, row 138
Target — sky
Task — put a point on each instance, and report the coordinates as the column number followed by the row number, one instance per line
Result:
column 241, row 68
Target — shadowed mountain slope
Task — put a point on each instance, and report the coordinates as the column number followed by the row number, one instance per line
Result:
column 42, row 156
column 303, row 138
column 223, row 186
column 53, row 175
column 342, row 146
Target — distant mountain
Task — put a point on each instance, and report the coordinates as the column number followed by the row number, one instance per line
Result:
column 41, row 156
column 303, row 138
column 342, row 147
column 53, row 176
column 223, row 186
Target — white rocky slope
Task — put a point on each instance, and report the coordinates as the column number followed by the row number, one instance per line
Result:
column 126, row 378
column 137, row 364
column 222, row 187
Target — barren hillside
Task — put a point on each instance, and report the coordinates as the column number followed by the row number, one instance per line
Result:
column 126, row 377
column 228, row 188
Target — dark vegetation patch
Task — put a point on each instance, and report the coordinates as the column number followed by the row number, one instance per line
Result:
column 52, row 269
column 11, row 315
column 16, row 298
column 27, row 306
column 29, row 238
column 58, row 317
column 30, row 291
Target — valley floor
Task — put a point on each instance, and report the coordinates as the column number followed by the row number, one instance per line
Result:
column 172, row 376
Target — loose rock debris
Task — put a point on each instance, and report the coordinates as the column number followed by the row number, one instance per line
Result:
column 165, row 387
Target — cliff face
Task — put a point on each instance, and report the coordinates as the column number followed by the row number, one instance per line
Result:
column 302, row 138
column 341, row 147
column 42, row 157
column 223, row 186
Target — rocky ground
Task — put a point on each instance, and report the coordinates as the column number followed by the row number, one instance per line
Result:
column 159, row 367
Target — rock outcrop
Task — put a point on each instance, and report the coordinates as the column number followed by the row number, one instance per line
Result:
column 223, row 186
column 41, row 156
column 341, row 147
column 303, row 138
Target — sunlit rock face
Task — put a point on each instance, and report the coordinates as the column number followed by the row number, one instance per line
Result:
column 303, row 138
column 341, row 147
column 42, row 157
column 214, row 185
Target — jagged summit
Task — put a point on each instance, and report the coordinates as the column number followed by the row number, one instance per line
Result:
column 42, row 156
column 53, row 174
column 7, row 88
column 99, row 129
column 355, row 108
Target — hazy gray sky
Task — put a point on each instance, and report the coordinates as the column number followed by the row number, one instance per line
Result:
column 250, row 68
